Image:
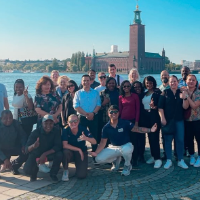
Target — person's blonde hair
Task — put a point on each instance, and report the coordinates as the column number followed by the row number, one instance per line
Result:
column 54, row 72
column 66, row 78
column 130, row 75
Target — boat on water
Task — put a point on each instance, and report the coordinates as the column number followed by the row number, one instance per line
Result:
column 16, row 71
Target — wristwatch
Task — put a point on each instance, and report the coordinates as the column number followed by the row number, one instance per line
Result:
column 186, row 97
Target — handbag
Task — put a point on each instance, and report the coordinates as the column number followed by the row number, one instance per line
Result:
column 27, row 116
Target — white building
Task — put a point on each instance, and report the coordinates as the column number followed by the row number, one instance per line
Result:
column 114, row 49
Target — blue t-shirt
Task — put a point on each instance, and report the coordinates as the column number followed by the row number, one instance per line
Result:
column 120, row 135
column 72, row 139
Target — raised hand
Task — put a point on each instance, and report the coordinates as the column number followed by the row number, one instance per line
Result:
column 83, row 137
column 152, row 104
column 26, row 92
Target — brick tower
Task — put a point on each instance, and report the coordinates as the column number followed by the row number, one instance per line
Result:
column 137, row 42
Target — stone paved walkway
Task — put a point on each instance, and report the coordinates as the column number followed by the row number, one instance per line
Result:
column 144, row 182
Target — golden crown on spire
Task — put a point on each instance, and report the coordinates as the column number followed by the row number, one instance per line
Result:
column 137, row 7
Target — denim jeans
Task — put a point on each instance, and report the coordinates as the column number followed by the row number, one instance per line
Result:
column 179, row 140
column 111, row 153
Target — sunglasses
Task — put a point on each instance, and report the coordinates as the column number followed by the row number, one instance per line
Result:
column 73, row 121
column 126, row 86
column 113, row 112
column 70, row 86
column 102, row 77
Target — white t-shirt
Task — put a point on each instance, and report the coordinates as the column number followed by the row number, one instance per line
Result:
column 19, row 102
column 146, row 101
column 100, row 88
column 120, row 79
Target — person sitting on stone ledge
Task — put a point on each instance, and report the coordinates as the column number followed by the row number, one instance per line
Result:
column 74, row 139
column 44, row 144
column 117, row 131
column 12, row 143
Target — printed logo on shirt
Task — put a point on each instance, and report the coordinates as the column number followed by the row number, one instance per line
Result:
column 120, row 130
column 130, row 123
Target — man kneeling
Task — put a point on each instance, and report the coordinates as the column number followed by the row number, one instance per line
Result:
column 117, row 131
column 12, row 143
column 44, row 144
column 74, row 139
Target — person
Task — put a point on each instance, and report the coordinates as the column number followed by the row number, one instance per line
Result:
column 54, row 77
column 117, row 130
column 171, row 105
column 112, row 73
column 109, row 96
column 22, row 99
column 150, row 116
column 74, row 138
column 185, row 71
column 3, row 98
column 61, row 89
column 87, row 104
column 47, row 101
column 93, row 83
column 164, row 75
column 12, row 143
column 67, row 102
column 102, row 80
column 133, row 75
column 192, row 121
column 44, row 144
column 138, row 88
column 129, row 109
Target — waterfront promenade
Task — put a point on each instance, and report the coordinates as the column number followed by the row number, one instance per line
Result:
column 144, row 182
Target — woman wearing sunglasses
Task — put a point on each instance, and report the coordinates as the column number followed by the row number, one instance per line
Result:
column 74, row 139
column 67, row 102
column 129, row 109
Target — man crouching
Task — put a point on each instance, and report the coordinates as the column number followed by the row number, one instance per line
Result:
column 117, row 131
column 44, row 144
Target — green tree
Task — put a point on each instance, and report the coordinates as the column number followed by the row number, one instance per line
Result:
column 74, row 68
column 85, row 68
column 55, row 64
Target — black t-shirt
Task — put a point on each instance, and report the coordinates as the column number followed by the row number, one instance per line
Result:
column 72, row 139
column 120, row 135
column 171, row 104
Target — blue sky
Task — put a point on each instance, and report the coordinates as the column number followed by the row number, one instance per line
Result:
column 45, row 29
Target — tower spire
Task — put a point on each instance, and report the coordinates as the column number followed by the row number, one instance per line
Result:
column 137, row 19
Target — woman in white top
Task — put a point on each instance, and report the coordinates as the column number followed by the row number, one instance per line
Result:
column 22, row 99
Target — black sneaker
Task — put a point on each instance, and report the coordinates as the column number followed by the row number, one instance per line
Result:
column 54, row 178
column 15, row 171
column 95, row 162
column 141, row 159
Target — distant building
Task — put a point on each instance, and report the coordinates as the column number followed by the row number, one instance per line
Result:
column 146, row 62
column 192, row 65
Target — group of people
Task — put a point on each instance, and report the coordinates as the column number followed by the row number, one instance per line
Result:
column 113, row 115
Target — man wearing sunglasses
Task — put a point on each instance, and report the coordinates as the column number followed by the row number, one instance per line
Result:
column 102, row 80
column 117, row 131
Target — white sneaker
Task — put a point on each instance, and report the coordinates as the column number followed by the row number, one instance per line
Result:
column 3, row 168
column 50, row 164
column 116, row 164
column 182, row 164
column 158, row 164
column 192, row 160
column 197, row 163
column 43, row 168
column 127, row 170
column 150, row 160
column 65, row 176
column 168, row 164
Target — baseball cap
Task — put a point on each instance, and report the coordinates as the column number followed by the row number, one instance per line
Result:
column 47, row 117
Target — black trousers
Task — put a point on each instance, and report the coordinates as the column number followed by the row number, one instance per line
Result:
column 17, row 163
column 192, row 129
column 93, row 127
column 27, row 129
column 31, row 168
column 74, row 156
column 148, row 120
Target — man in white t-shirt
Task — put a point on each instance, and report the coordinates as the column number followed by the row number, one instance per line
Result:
column 3, row 98
column 102, row 80
column 112, row 73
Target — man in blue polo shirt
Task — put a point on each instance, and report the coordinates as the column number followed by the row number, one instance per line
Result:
column 117, row 131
